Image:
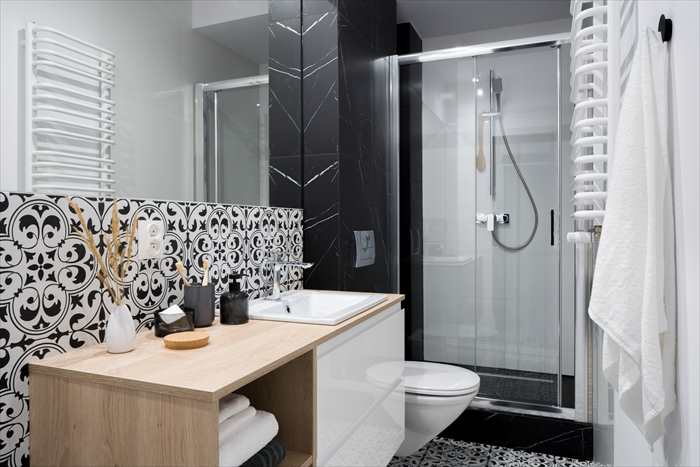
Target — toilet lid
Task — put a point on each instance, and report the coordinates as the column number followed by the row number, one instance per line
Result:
column 436, row 379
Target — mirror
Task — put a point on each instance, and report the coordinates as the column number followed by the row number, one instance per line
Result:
column 180, row 100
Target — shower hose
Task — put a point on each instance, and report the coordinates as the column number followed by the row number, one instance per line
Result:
column 527, row 190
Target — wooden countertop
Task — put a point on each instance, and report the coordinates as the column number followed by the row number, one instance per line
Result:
column 235, row 356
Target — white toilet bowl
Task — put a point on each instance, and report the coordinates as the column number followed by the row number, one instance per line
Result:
column 436, row 395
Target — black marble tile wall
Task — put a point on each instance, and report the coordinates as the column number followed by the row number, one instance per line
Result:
column 366, row 35
column 556, row 437
column 285, row 106
column 320, row 133
column 345, row 114
column 411, row 189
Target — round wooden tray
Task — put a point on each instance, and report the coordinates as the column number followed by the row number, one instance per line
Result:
column 186, row 340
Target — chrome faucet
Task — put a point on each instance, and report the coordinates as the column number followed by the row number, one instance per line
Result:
column 277, row 265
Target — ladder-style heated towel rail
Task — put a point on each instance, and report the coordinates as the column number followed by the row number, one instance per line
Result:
column 69, row 114
column 589, row 125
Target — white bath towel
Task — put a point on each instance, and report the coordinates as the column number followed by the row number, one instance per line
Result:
column 240, row 420
column 633, row 297
column 241, row 444
column 231, row 405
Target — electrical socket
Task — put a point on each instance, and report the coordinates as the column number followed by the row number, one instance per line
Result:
column 150, row 238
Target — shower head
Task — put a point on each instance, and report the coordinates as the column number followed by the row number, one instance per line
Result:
column 497, row 85
column 497, row 89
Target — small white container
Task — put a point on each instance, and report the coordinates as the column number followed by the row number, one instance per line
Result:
column 120, row 335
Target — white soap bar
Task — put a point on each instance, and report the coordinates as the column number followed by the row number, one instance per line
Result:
column 172, row 314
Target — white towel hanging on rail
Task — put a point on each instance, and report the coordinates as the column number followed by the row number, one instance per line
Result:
column 633, row 299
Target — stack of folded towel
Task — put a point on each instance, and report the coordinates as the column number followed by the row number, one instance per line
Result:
column 244, row 431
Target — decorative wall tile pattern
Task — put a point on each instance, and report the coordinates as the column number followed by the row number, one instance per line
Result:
column 444, row 452
column 50, row 298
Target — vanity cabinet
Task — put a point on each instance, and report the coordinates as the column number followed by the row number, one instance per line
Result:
column 360, row 398
column 159, row 407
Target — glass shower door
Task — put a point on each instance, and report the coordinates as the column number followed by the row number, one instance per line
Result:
column 517, row 345
column 448, row 196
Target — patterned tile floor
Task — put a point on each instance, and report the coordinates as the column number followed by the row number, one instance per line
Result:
column 443, row 452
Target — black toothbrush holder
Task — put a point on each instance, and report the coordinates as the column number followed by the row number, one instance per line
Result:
column 201, row 299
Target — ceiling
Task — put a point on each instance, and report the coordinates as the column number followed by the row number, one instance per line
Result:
column 432, row 18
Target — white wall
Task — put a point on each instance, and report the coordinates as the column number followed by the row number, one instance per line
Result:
column 158, row 57
column 208, row 12
column 682, row 445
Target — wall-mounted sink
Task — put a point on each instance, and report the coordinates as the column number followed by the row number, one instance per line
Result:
column 314, row 307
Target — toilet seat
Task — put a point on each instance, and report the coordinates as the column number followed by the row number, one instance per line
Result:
column 437, row 379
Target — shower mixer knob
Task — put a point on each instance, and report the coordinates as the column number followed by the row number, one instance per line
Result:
column 503, row 218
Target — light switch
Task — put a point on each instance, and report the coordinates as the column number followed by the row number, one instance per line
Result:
column 364, row 248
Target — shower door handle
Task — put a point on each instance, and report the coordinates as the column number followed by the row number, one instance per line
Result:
column 551, row 227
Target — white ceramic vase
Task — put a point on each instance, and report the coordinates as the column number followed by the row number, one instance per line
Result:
column 120, row 335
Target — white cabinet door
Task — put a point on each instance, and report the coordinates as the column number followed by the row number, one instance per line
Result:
column 360, row 397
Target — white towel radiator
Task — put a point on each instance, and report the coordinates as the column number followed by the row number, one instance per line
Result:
column 69, row 114
column 590, row 122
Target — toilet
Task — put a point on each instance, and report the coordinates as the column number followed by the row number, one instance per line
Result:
column 436, row 394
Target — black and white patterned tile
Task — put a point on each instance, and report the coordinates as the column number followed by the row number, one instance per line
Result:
column 50, row 298
column 444, row 452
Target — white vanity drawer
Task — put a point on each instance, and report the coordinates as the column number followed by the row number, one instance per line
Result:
column 360, row 413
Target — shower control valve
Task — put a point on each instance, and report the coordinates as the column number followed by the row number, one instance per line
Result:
column 492, row 219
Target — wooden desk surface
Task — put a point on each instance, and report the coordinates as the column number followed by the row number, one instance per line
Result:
column 235, row 356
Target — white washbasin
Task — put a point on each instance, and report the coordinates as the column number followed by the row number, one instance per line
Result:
column 314, row 307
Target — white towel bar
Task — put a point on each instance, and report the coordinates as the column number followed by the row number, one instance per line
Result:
column 72, row 102
column 589, row 214
column 58, row 66
column 52, row 108
column 590, row 159
column 59, row 175
column 71, row 135
column 44, row 187
column 62, row 165
column 73, row 92
column 59, row 121
column 101, row 160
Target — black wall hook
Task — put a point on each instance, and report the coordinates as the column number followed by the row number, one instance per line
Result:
column 665, row 28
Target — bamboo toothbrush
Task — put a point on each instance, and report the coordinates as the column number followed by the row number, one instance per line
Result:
column 205, row 279
column 181, row 270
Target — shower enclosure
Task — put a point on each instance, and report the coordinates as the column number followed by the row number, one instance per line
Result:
column 498, row 282
column 231, row 141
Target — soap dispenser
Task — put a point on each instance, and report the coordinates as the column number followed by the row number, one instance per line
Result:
column 233, row 305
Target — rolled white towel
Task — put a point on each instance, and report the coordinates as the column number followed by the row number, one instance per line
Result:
column 231, row 405
column 240, row 445
column 239, row 420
